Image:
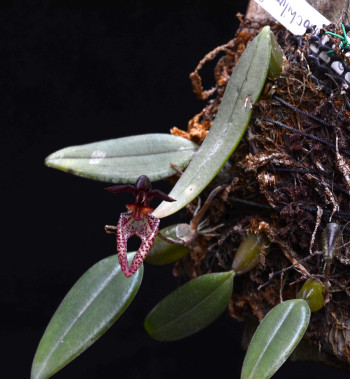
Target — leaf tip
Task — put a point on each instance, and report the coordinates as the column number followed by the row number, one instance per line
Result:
column 38, row 371
column 47, row 161
column 53, row 160
column 148, row 328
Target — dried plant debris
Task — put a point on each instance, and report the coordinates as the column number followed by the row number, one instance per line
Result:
column 288, row 178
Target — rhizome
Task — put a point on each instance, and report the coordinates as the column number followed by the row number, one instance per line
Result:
column 288, row 178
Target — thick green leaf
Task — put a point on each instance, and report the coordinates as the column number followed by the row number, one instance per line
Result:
column 190, row 308
column 275, row 339
column 163, row 253
column 123, row 160
column 93, row 304
column 230, row 123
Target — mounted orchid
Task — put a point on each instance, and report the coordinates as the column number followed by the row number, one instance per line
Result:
column 103, row 293
column 137, row 221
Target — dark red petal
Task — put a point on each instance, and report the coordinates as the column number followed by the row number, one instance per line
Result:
column 161, row 195
column 122, row 188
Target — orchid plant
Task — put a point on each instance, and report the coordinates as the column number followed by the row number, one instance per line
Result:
column 103, row 293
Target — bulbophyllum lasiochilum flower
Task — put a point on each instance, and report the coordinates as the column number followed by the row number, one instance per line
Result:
column 137, row 221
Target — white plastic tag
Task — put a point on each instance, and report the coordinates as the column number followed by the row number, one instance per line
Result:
column 295, row 15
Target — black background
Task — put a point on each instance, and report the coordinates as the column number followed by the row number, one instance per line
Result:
column 77, row 74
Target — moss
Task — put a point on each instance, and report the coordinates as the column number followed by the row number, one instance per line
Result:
column 281, row 183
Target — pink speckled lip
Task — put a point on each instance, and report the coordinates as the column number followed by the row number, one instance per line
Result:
column 138, row 221
column 146, row 229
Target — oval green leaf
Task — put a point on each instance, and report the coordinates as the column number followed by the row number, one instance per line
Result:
column 275, row 339
column 230, row 123
column 190, row 308
column 93, row 304
column 123, row 160
column 163, row 253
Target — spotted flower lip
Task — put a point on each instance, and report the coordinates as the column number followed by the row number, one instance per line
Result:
column 146, row 229
column 137, row 221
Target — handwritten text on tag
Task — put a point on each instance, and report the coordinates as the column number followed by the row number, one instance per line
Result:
column 295, row 15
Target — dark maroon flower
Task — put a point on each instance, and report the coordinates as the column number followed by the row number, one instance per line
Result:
column 137, row 221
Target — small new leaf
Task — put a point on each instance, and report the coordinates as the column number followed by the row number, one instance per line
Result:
column 162, row 253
